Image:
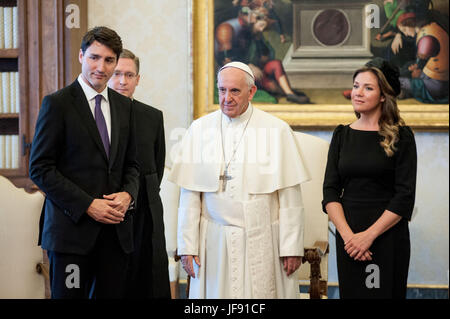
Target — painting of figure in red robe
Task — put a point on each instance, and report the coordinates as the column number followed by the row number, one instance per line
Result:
column 412, row 34
column 242, row 33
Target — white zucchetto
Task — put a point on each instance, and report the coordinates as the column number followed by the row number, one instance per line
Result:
column 239, row 65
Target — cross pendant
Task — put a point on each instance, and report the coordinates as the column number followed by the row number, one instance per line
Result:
column 225, row 177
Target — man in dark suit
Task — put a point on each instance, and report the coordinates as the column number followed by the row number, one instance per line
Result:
column 149, row 277
column 84, row 158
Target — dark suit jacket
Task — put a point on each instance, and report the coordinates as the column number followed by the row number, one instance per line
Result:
column 150, row 262
column 68, row 162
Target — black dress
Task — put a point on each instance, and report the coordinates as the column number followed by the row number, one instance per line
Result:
column 361, row 177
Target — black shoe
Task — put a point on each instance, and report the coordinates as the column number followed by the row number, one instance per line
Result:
column 303, row 99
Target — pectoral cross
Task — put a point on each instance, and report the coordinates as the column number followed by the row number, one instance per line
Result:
column 225, row 177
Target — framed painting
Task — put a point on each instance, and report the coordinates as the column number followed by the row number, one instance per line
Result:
column 304, row 53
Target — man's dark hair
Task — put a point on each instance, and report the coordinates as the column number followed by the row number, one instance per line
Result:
column 105, row 36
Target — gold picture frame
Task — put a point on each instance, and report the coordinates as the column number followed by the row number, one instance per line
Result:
column 425, row 117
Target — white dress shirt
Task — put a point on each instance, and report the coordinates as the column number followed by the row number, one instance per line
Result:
column 90, row 94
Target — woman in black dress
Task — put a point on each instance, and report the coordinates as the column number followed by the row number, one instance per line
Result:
column 369, row 188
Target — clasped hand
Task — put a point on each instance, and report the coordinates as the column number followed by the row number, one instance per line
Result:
column 111, row 209
column 357, row 247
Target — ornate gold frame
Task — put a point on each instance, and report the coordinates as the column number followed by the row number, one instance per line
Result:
column 313, row 117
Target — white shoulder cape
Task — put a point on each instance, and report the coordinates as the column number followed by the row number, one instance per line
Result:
column 272, row 155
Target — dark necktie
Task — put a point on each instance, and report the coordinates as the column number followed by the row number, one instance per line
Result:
column 101, row 123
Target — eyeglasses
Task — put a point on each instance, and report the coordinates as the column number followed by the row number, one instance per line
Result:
column 128, row 75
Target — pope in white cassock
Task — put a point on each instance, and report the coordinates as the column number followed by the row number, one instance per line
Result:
column 240, row 217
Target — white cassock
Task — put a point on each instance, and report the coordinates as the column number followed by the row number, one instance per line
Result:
column 241, row 232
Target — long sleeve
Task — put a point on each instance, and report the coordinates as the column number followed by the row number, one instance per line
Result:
column 292, row 221
column 189, row 222
column 405, row 175
column 160, row 149
column 332, row 184
column 47, row 143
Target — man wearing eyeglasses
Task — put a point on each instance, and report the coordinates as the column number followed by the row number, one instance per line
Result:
column 148, row 275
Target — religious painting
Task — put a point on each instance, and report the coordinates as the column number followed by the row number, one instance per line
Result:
column 257, row 33
column 414, row 37
column 304, row 52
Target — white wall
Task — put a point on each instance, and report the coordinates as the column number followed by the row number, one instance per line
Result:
column 159, row 33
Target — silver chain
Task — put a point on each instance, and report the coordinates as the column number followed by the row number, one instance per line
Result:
column 237, row 146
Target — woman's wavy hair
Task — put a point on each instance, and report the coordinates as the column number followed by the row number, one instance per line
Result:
column 390, row 119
